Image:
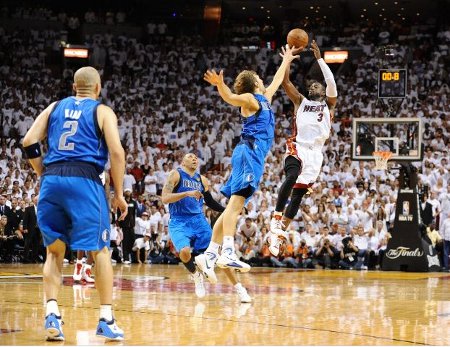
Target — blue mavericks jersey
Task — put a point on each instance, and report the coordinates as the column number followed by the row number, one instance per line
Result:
column 74, row 135
column 187, row 206
column 261, row 125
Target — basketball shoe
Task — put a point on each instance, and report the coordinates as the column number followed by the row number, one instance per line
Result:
column 277, row 236
column 53, row 330
column 206, row 262
column 87, row 275
column 77, row 272
column 229, row 259
column 197, row 277
column 242, row 293
column 109, row 330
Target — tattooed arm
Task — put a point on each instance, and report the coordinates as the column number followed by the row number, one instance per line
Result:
column 168, row 196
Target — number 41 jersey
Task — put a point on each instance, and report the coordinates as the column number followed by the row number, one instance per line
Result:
column 74, row 135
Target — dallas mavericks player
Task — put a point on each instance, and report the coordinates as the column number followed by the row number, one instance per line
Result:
column 72, row 205
column 248, row 157
column 185, row 191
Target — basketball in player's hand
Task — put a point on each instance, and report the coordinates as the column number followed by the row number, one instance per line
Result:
column 297, row 38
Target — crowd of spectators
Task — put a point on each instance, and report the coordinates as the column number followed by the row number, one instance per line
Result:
column 165, row 110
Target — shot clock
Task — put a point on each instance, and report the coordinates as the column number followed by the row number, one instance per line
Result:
column 391, row 83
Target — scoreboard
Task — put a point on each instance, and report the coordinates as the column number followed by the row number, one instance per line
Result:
column 392, row 83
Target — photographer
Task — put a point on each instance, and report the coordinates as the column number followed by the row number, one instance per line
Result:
column 349, row 254
column 303, row 255
column 325, row 254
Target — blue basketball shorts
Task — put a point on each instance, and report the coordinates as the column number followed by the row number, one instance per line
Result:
column 72, row 208
column 190, row 231
column 247, row 167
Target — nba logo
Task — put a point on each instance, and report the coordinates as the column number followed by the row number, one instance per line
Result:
column 405, row 208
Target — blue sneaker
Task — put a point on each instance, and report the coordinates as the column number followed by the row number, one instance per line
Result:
column 53, row 330
column 109, row 330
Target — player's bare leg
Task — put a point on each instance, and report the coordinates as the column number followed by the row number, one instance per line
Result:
column 107, row 326
column 278, row 238
column 52, row 281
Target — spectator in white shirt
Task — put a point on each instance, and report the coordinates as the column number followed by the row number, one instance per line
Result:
column 150, row 183
column 142, row 243
column 128, row 180
column 366, row 216
column 155, row 219
column 142, row 225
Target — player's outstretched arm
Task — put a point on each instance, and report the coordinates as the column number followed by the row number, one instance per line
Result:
column 209, row 200
column 292, row 92
column 107, row 121
column 245, row 100
column 168, row 196
column 331, row 90
column 35, row 134
column 287, row 56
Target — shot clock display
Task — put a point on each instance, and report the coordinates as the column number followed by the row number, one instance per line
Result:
column 391, row 83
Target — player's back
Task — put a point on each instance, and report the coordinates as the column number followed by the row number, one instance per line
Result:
column 312, row 122
column 187, row 206
column 261, row 125
column 74, row 135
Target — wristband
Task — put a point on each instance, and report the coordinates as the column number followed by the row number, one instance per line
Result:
column 33, row 151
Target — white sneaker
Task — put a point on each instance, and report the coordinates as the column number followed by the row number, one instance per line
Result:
column 242, row 309
column 206, row 262
column 276, row 226
column 87, row 275
column 275, row 242
column 229, row 259
column 197, row 277
column 243, row 295
column 127, row 262
column 77, row 272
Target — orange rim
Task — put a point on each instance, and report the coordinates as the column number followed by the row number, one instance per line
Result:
column 383, row 154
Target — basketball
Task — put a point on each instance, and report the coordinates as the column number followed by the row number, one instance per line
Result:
column 297, row 38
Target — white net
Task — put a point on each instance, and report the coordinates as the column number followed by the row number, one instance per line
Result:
column 381, row 159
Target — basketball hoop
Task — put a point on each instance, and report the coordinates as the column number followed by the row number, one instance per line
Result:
column 381, row 159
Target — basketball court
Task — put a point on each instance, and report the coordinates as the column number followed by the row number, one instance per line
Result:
column 156, row 305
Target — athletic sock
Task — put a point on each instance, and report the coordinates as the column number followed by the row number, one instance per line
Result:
column 52, row 307
column 278, row 215
column 79, row 261
column 106, row 312
column 238, row 286
column 213, row 248
column 228, row 243
column 190, row 265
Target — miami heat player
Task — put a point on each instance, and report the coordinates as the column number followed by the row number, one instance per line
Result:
column 311, row 128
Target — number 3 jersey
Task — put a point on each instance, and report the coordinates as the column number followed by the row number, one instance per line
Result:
column 311, row 127
column 73, row 133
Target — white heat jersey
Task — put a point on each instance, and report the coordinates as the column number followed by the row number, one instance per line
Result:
column 311, row 128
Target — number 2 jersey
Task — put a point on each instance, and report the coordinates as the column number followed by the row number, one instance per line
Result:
column 74, row 135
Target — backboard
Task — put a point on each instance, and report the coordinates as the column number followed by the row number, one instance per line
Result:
column 401, row 136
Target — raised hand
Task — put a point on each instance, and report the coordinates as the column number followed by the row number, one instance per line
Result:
column 287, row 53
column 315, row 49
column 212, row 77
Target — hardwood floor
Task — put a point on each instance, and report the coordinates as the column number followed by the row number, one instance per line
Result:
column 156, row 305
